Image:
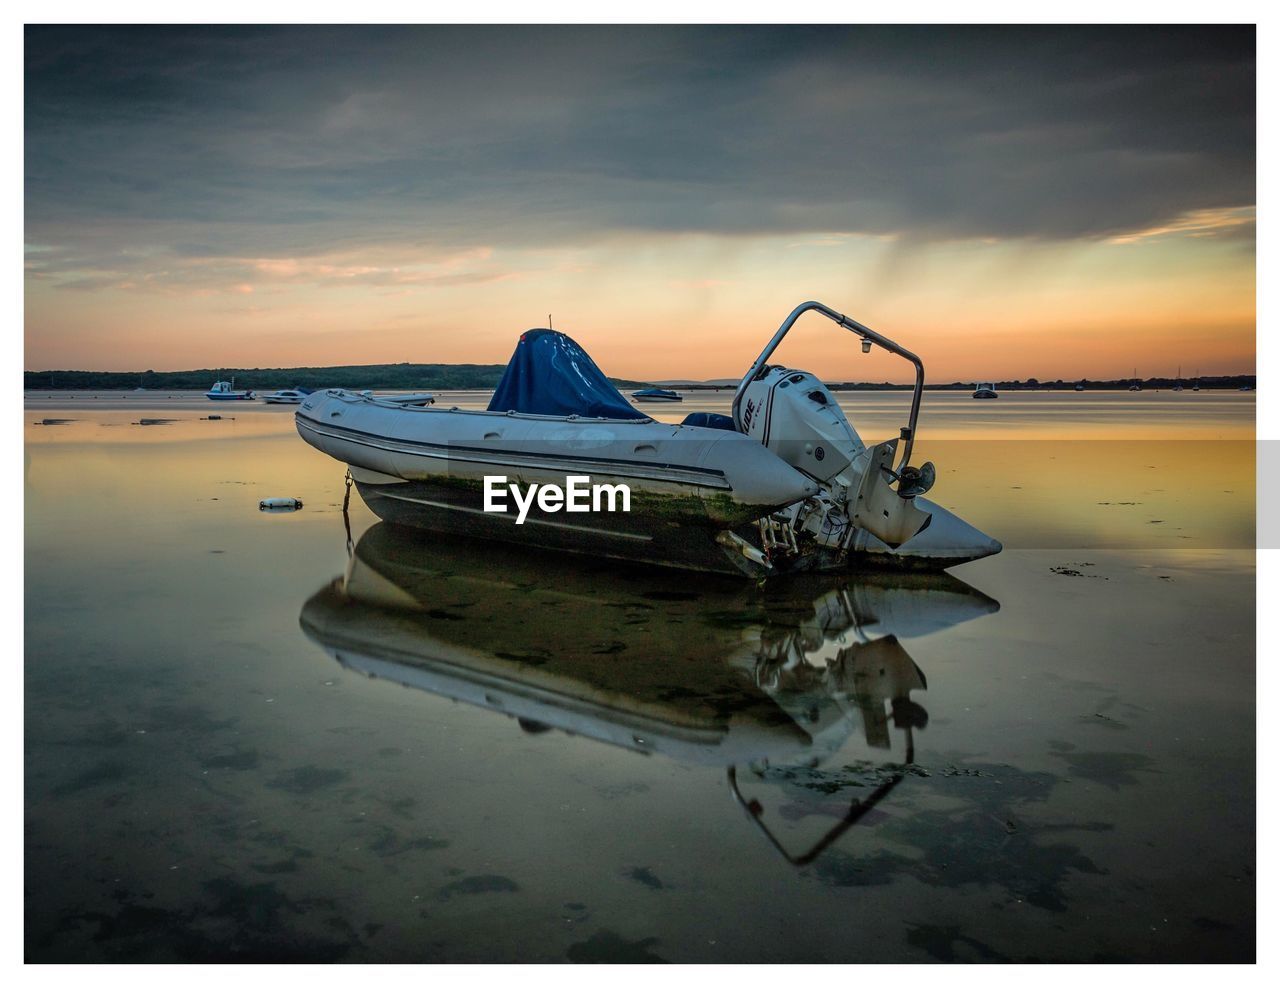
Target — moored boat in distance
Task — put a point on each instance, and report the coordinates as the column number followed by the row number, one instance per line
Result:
column 784, row 484
column 655, row 394
column 985, row 390
column 1136, row 385
column 226, row 391
column 288, row 396
column 1080, row 386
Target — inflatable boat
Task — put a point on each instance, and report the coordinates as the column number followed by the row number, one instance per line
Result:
column 783, row 484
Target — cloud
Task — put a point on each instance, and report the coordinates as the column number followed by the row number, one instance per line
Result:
column 214, row 145
column 177, row 273
column 1227, row 223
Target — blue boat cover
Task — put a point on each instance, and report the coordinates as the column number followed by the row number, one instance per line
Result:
column 549, row 374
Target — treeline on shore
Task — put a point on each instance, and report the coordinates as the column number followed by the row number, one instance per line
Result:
column 382, row 377
column 1032, row 384
column 1229, row 381
column 391, row 377
column 461, row 377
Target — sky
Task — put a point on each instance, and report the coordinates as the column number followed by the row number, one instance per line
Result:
column 1007, row 202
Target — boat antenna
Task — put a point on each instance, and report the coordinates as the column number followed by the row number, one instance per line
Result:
column 549, row 320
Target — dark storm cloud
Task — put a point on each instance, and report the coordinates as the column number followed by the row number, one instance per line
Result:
column 272, row 141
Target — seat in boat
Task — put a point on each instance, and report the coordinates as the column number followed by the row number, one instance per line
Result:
column 549, row 374
column 709, row 420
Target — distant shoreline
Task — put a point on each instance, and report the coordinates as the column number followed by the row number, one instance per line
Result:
column 1109, row 387
column 485, row 377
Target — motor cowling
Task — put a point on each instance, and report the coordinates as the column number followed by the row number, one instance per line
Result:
column 792, row 414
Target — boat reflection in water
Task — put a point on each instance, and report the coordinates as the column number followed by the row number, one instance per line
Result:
column 771, row 681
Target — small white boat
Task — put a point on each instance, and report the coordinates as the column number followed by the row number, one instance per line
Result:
column 1177, row 385
column 655, row 394
column 226, row 391
column 1136, row 385
column 289, row 396
column 783, row 484
column 985, row 390
column 1080, row 386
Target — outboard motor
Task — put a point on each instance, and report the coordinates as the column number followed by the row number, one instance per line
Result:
column 795, row 417
column 869, row 500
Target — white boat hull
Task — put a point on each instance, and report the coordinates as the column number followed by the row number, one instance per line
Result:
column 696, row 493
column 426, row 467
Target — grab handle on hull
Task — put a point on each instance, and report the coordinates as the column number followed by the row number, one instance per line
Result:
column 869, row 337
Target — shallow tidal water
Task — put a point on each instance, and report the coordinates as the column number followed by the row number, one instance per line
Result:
column 258, row 736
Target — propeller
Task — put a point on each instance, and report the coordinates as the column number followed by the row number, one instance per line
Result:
column 913, row 481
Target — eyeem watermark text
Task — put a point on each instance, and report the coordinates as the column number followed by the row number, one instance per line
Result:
column 578, row 494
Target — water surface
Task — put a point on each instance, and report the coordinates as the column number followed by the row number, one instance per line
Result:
column 251, row 737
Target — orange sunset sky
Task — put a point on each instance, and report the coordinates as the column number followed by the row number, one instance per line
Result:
column 1006, row 202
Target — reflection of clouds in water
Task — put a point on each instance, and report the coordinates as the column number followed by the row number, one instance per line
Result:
column 1112, row 769
column 982, row 840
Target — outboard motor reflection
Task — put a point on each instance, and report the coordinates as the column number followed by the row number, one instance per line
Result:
column 766, row 684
